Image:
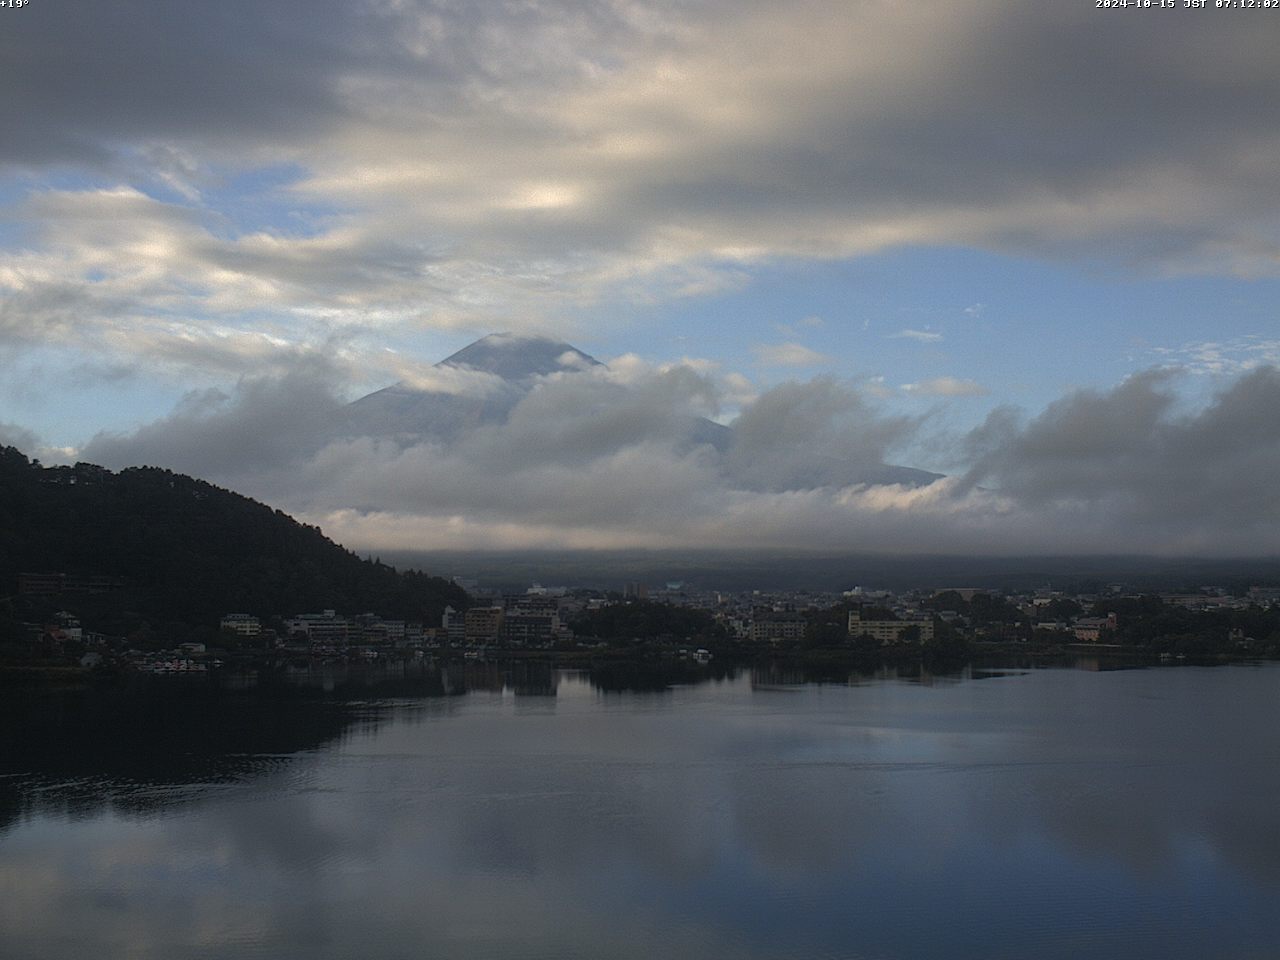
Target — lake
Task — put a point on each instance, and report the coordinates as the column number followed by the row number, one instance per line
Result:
column 526, row 812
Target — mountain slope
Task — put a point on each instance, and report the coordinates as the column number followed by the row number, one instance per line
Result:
column 186, row 550
column 519, row 359
column 509, row 366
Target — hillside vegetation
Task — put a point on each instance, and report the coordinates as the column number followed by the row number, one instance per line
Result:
column 179, row 549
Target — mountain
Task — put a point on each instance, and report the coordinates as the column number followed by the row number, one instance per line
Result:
column 519, row 359
column 508, row 367
column 160, row 546
column 483, row 382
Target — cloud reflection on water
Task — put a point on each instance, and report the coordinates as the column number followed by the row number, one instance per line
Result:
column 1043, row 814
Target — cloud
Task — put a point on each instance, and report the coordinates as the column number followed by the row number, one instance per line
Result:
column 271, row 196
column 807, row 435
column 604, row 458
column 789, row 355
column 687, row 143
column 458, row 381
column 946, row 387
column 12, row 435
column 267, row 424
column 460, row 166
column 122, row 246
column 921, row 336
column 1229, row 357
column 1127, row 458
column 29, row 443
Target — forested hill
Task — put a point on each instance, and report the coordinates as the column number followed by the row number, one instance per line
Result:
column 181, row 549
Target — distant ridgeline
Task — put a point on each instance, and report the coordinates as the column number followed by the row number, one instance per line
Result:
column 149, row 543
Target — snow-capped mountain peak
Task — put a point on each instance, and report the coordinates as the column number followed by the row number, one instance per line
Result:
column 518, row 358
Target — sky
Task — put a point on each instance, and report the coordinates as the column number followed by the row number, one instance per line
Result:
column 1033, row 247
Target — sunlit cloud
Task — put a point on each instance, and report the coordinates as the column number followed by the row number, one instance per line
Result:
column 1229, row 357
column 945, row 387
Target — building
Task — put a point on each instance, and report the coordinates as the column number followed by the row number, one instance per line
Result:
column 241, row 624
column 1265, row 595
column 889, row 631
column 321, row 628
column 1190, row 601
column 57, row 584
column 63, row 627
column 40, row 584
column 369, row 628
column 1091, row 629
column 453, row 623
column 483, row 624
column 777, row 626
column 531, row 620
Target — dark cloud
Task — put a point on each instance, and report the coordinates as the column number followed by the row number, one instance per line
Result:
column 84, row 83
column 267, row 424
column 987, row 122
column 12, row 435
column 805, row 435
column 86, row 80
column 1128, row 455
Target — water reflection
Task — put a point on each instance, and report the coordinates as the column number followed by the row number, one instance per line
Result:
column 139, row 744
column 351, row 813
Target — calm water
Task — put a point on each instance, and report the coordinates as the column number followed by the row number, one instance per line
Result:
column 1044, row 814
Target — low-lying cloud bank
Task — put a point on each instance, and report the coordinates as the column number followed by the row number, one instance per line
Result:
column 599, row 459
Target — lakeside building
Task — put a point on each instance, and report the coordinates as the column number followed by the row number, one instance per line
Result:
column 1054, row 626
column 532, row 619
column 454, row 625
column 777, row 626
column 321, row 628
column 888, row 631
column 242, row 624
column 482, row 624
column 369, row 628
column 1091, row 629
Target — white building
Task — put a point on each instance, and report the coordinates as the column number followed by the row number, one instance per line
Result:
column 324, row 628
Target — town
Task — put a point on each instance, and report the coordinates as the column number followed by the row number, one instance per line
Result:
column 1207, row 623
